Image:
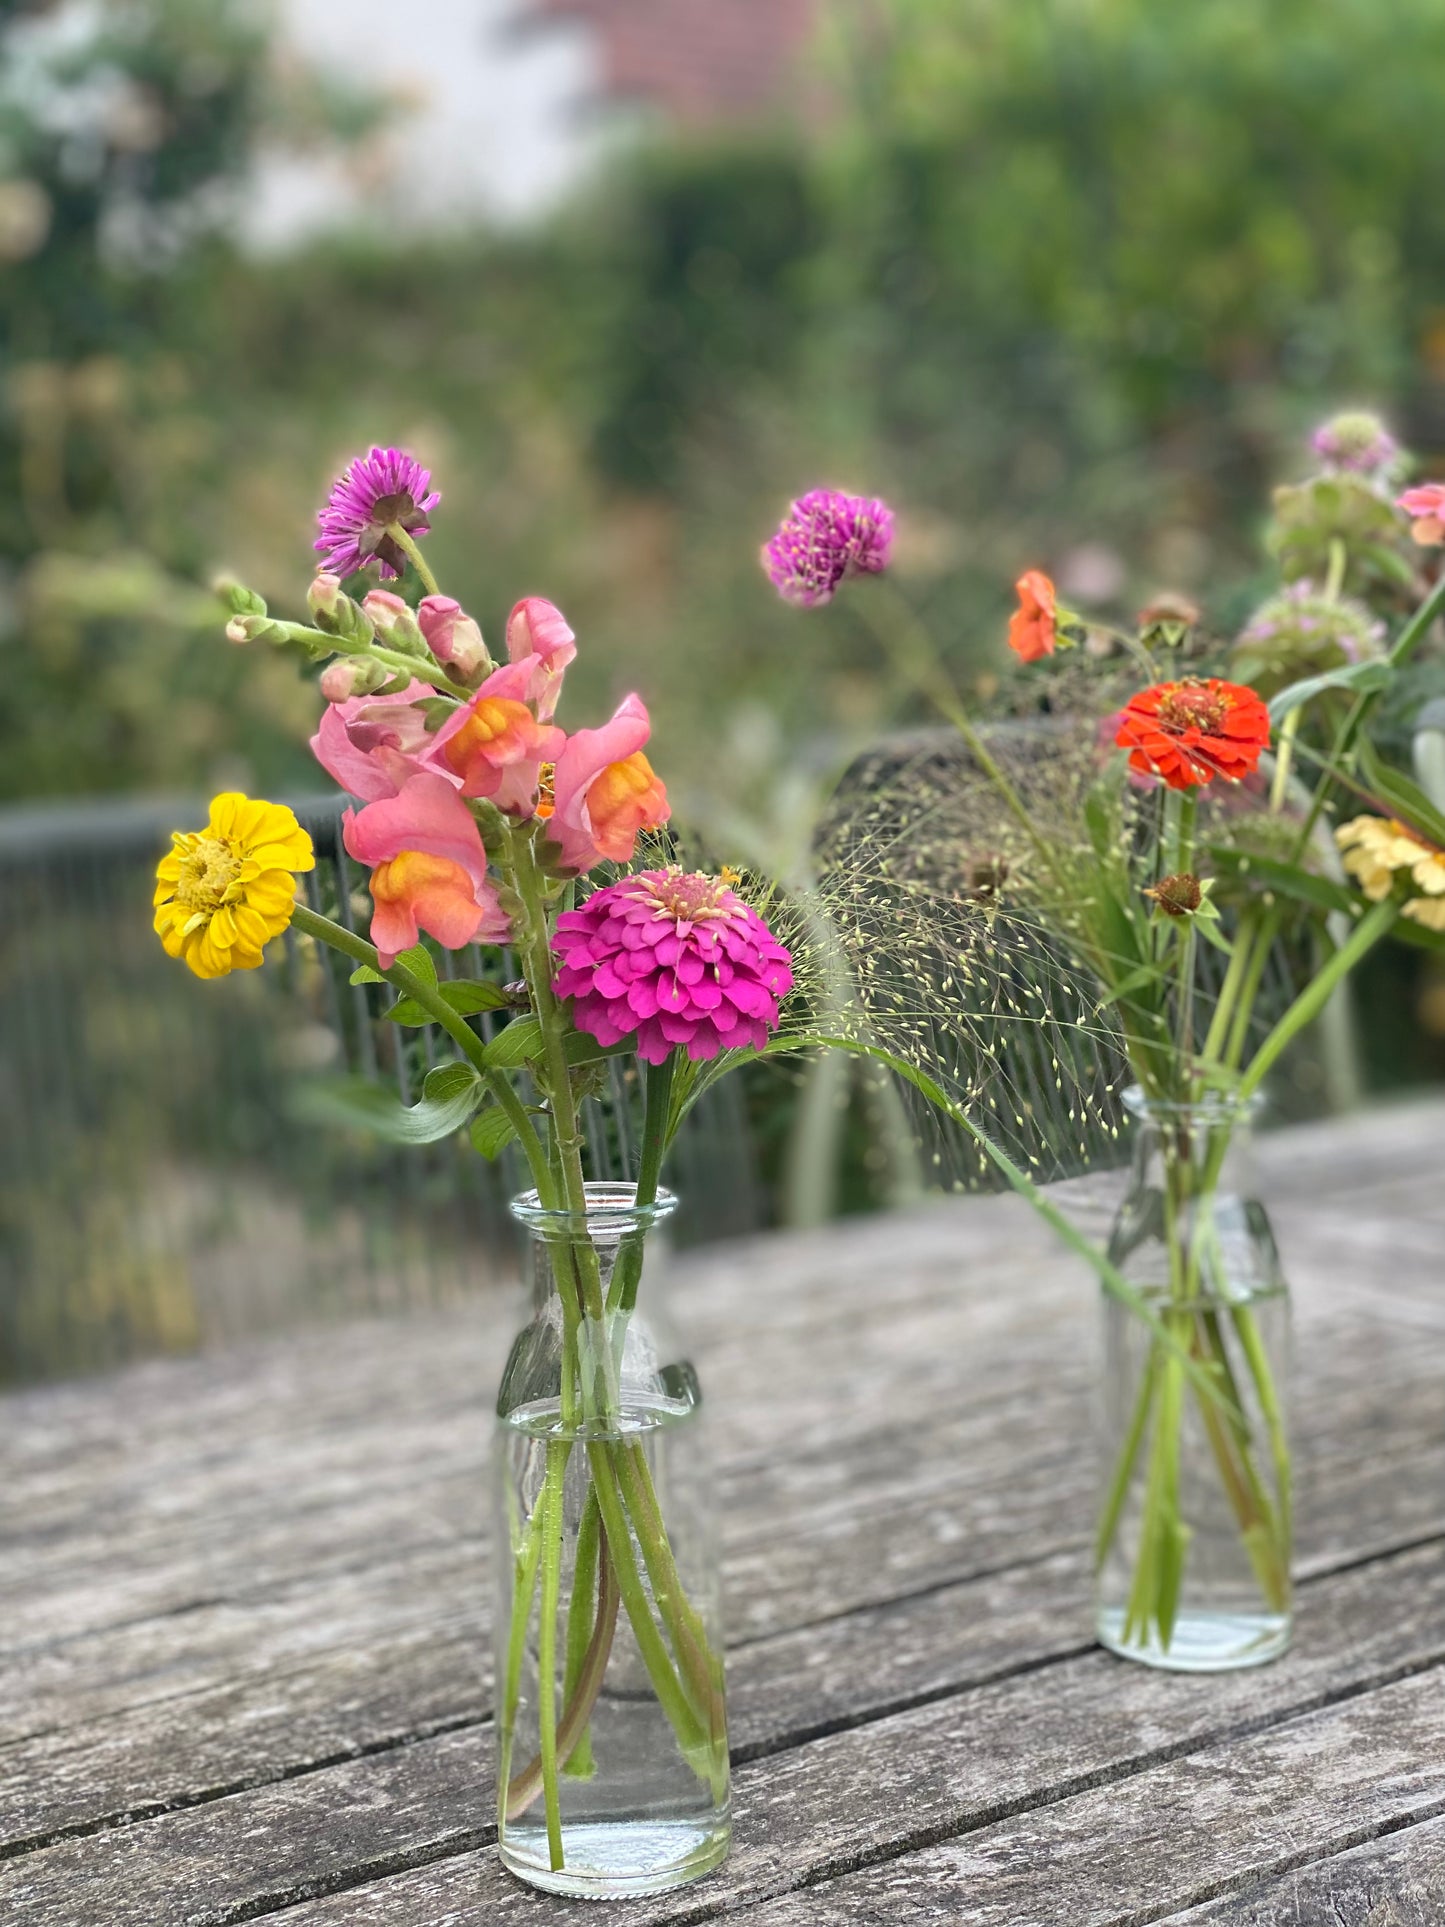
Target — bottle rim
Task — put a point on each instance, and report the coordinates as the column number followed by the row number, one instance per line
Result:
column 1210, row 1107
column 611, row 1207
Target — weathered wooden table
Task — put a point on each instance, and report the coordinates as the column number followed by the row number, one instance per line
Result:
column 244, row 1601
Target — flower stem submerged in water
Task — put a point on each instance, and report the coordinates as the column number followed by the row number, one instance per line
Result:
column 625, row 1700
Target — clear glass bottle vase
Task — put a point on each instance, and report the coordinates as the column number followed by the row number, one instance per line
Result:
column 1193, row 1545
column 611, row 1728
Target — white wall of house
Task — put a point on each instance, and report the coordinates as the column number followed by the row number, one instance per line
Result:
column 488, row 120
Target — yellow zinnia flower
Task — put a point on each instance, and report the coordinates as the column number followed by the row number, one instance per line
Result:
column 223, row 892
column 1376, row 848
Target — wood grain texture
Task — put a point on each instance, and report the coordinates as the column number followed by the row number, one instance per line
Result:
column 878, row 1790
column 1395, row 1881
column 244, row 1604
column 1133, row 1850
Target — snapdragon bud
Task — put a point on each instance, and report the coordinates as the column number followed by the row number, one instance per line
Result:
column 324, row 599
column 352, row 676
column 395, row 625
column 453, row 636
column 257, row 627
column 240, row 600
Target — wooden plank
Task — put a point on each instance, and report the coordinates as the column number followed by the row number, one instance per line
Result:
column 1178, row 1833
column 876, row 1790
column 784, row 1553
column 336, row 1672
column 788, row 1562
column 1397, row 1881
column 847, row 1530
column 228, row 1520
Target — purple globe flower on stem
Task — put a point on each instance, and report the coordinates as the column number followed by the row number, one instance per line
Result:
column 675, row 957
column 378, row 493
column 825, row 537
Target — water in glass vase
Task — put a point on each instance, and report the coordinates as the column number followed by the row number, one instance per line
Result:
column 1193, row 1545
column 612, row 1735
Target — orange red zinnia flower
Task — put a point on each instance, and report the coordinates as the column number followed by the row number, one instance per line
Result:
column 1191, row 732
column 1033, row 626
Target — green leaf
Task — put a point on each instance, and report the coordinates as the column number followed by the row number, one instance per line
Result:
column 436, row 710
column 582, row 1049
column 492, row 1131
column 1402, row 798
column 521, row 1040
column 364, row 974
column 1363, row 677
column 450, row 1094
column 465, row 997
column 1136, row 979
column 1285, row 879
column 1407, row 930
column 418, row 960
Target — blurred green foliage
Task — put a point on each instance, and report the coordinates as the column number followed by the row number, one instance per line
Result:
column 1066, row 279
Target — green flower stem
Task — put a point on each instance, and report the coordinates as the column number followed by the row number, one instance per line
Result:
column 321, row 642
column 414, row 555
column 1249, row 988
column 582, row 1621
column 1375, row 924
column 697, row 1665
column 692, row 1736
column 524, row 1588
column 1244, row 939
column 1252, row 1344
column 417, row 668
column 551, row 1508
column 1129, row 1453
column 324, row 930
column 613, row 1473
column 524, row 1787
column 656, row 1134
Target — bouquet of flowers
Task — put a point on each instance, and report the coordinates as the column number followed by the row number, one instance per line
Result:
column 483, row 821
column 1133, row 880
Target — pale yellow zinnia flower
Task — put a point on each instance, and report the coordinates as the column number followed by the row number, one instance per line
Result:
column 1376, row 849
column 222, row 893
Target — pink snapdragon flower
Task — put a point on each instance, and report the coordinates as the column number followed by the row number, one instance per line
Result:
column 676, row 959
column 453, row 637
column 494, row 745
column 428, row 869
column 605, row 791
column 371, row 745
column 825, row 537
column 386, row 488
column 537, row 630
column 1426, row 508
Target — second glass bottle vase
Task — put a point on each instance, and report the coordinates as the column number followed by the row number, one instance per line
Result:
column 612, row 1737
column 1193, row 1550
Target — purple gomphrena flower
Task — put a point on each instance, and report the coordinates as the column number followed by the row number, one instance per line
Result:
column 676, row 958
column 1357, row 443
column 387, row 486
column 825, row 537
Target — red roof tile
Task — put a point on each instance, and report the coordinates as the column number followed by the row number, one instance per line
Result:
column 700, row 60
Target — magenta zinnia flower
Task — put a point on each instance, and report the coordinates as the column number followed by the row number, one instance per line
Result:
column 825, row 537
column 675, row 957
column 387, row 486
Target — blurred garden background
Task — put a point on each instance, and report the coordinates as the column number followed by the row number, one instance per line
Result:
column 1067, row 281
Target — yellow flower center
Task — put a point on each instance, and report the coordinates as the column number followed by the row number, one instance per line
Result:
column 690, row 895
column 209, row 869
column 1191, row 705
